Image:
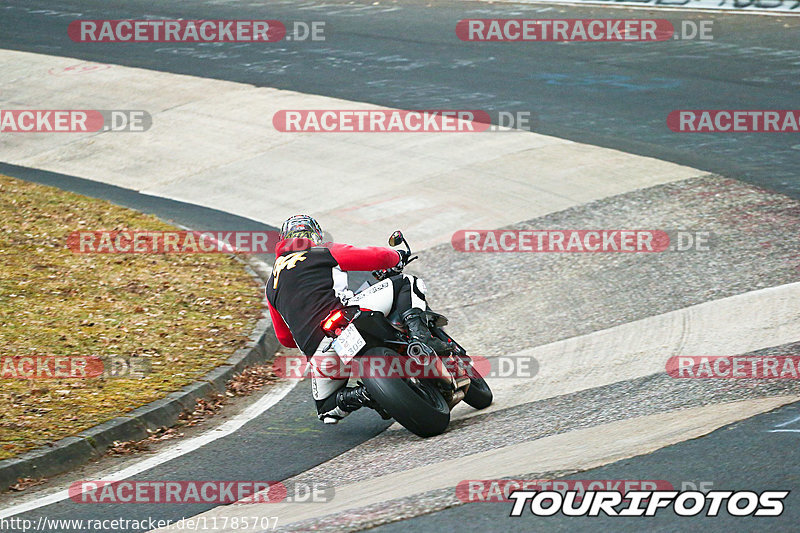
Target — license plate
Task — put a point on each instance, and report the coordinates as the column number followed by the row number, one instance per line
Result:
column 349, row 343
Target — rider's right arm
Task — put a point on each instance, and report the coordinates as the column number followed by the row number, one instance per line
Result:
column 352, row 258
column 281, row 329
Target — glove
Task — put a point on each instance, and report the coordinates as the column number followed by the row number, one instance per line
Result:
column 404, row 255
column 381, row 275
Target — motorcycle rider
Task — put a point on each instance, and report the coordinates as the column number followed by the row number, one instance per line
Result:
column 309, row 280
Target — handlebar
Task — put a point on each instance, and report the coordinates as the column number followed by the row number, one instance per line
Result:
column 405, row 258
column 384, row 273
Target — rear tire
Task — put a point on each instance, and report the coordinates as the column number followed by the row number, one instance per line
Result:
column 417, row 405
column 479, row 395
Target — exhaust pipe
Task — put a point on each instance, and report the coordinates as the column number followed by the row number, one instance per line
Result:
column 457, row 397
column 426, row 357
column 463, row 382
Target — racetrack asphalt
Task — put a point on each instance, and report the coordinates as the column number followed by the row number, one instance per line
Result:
column 283, row 441
column 405, row 55
column 747, row 455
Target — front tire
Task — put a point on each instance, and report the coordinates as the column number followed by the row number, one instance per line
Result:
column 479, row 395
column 417, row 405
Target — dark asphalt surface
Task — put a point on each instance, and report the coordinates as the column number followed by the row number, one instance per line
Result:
column 284, row 441
column 406, row 54
column 747, row 455
column 179, row 213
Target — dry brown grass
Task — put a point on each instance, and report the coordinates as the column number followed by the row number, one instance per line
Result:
column 184, row 313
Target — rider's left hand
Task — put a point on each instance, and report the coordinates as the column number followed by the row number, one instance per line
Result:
column 404, row 255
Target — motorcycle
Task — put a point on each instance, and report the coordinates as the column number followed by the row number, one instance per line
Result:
column 420, row 403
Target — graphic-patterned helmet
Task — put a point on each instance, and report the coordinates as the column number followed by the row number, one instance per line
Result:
column 302, row 226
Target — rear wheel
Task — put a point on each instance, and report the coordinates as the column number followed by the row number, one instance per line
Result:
column 417, row 405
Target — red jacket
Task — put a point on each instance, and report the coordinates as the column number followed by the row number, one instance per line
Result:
column 306, row 283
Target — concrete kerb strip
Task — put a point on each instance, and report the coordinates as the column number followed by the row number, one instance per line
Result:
column 213, row 144
column 734, row 325
column 70, row 452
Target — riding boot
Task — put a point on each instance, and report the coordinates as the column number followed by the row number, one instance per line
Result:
column 352, row 398
column 418, row 330
column 349, row 399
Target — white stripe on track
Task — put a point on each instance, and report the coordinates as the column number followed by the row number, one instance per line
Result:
column 189, row 445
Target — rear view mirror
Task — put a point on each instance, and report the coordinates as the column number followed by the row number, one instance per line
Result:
column 396, row 239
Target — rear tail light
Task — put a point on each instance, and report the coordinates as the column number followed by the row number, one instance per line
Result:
column 339, row 319
column 332, row 322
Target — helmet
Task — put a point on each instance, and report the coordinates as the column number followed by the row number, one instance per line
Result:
column 302, row 226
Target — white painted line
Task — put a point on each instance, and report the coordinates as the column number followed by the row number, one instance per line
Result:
column 792, row 421
column 280, row 390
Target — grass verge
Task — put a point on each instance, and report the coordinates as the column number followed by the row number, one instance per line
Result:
column 185, row 314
